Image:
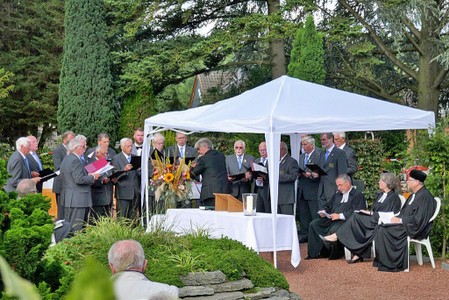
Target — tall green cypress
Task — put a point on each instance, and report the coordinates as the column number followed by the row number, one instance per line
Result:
column 86, row 99
column 307, row 56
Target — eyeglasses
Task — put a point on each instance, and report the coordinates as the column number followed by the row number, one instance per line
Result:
column 238, row 147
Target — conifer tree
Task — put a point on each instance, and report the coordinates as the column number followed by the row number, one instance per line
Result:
column 86, row 101
column 307, row 56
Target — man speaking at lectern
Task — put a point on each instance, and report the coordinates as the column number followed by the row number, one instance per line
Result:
column 211, row 165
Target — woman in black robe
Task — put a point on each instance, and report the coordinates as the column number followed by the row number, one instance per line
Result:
column 412, row 221
column 358, row 232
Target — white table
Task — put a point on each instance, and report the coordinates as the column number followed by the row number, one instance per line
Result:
column 255, row 232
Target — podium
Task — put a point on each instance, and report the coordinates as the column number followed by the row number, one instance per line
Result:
column 226, row 202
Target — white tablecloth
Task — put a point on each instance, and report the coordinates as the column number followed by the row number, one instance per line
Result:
column 255, row 232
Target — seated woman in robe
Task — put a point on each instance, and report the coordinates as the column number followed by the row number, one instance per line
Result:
column 358, row 232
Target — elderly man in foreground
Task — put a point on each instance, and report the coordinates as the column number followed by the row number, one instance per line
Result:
column 127, row 262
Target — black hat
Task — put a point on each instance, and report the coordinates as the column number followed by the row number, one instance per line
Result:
column 418, row 175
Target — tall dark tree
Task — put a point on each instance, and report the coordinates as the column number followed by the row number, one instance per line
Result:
column 86, row 99
column 307, row 56
column 31, row 39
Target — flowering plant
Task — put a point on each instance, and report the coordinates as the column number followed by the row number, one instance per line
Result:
column 171, row 182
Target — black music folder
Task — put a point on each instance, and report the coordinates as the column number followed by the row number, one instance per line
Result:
column 316, row 168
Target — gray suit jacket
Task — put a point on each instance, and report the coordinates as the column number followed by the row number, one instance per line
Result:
column 128, row 184
column 334, row 166
column 101, row 193
column 17, row 169
column 288, row 173
column 351, row 160
column 308, row 187
column 173, row 151
column 76, row 182
column 58, row 156
column 232, row 166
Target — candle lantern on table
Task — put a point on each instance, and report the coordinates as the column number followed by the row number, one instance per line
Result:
column 249, row 204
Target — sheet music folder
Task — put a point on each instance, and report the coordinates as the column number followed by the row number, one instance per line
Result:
column 316, row 168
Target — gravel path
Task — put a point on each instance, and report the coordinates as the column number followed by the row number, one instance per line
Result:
column 336, row 279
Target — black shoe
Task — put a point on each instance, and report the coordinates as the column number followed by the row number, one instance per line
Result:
column 303, row 240
column 327, row 244
column 353, row 261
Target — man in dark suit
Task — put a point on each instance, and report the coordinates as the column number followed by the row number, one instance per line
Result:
column 239, row 164
column 102, row 140
column 333, row 162
column 34, row 161
column 138, row 142
column 288, row 173
column 211, row 165
column 76, row 194
column 58, row 156
column 308, row 182
column 127, row 189
column 351, row 159
column 102, row 188
column 334, row 213
column 262, row 183
column 181, row 150
column 18, row 166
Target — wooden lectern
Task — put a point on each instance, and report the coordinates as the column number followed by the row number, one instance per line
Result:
column 226, row 202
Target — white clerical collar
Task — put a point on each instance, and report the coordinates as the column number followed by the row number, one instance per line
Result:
column 342, row 146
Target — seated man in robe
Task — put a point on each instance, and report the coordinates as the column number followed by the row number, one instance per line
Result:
column 339, row 208
column 412, row 221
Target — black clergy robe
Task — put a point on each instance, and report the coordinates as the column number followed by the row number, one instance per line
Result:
column 358, row 232
column 391, row 239
column 325, row 226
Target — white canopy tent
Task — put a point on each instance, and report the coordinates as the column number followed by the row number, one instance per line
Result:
column 287, row 106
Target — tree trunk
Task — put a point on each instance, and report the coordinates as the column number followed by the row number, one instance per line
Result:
column 278, row 64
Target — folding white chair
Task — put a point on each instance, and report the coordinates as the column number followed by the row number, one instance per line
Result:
column 425, row 242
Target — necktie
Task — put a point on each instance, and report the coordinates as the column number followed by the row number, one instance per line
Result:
column 28, row 167
column 139, row 147
column 306, row 159
column 326, row 155
column 262, row 160
column 181, row 151
column 240, row 162
column 129, row 159
column 37, row 160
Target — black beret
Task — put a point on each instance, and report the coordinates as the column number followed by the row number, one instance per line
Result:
column 418, row 175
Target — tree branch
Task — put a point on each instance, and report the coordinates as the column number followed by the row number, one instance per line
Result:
column 379, row 42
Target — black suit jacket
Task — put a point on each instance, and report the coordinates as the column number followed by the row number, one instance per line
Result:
column 212, row 167
column 288, row 173
column 334, row 166
column 308, row 187
column 34, row 167
column 356, row 201
column 128, row 184
column 58, row 156
column 351, row 160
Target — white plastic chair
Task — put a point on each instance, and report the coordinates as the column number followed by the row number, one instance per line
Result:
column 425, row 242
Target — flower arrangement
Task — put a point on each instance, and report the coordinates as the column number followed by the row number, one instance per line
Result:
column 171, row 182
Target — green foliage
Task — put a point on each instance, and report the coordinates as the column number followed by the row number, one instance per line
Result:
column 29, row 236
column 307, row 56
column 5, row 86
column 370, row 155
column 86, row 288
column 30, row 47
column 15, row 285
column 86, row 100
column 169, row 255
column 135, row 110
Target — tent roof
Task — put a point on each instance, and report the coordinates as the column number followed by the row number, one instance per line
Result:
column 288, row 105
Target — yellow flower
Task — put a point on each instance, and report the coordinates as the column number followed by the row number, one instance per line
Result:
column 169, row 177
column 155, row 177
column 188, row 175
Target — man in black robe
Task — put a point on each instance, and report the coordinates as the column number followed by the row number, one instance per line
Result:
column 413, row 221
column 339, row 208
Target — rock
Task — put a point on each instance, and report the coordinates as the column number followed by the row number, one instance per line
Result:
column 219, row 296
column 242, row 284
column 203, row 278
column 195, row 291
